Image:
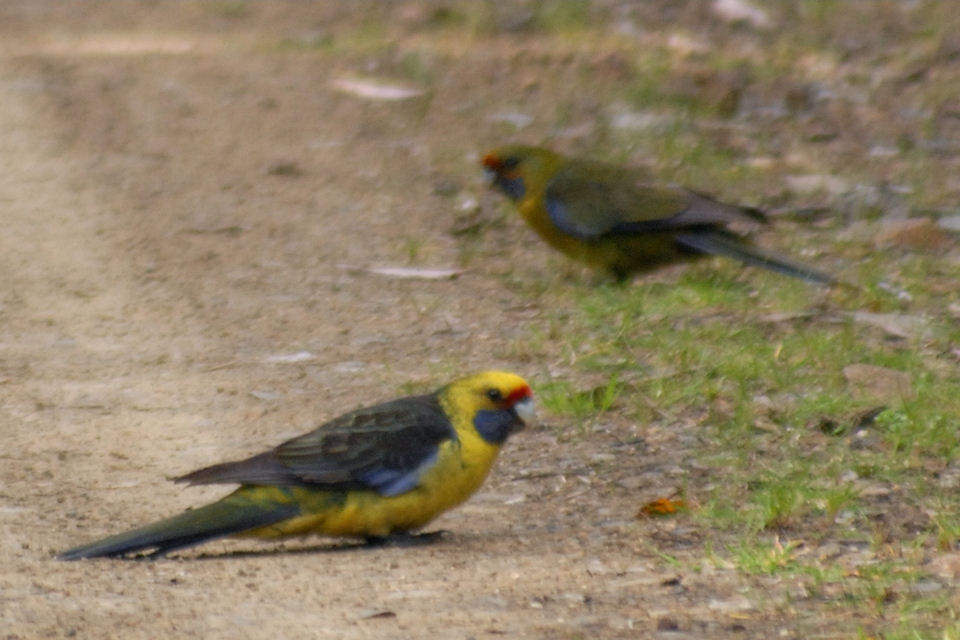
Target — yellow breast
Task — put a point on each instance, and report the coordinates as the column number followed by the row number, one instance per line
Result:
column 460, row 469
column 592, row 253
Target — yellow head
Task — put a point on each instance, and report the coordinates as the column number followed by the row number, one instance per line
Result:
column 494, row 403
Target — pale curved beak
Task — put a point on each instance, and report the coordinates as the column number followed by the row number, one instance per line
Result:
column 526, row 410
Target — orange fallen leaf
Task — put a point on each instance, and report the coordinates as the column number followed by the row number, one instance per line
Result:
column 661, row 507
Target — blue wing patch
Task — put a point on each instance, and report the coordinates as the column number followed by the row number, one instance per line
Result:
column 393, row 482
column 560, row 218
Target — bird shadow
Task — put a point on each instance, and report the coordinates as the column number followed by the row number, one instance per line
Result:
column 394, row 541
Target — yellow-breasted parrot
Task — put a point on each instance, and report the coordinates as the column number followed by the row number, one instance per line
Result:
column 619, row 219
column 371, row 473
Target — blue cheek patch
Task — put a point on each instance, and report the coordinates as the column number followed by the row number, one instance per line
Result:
column 494, row 426
column 514, row 188
column 393, row 482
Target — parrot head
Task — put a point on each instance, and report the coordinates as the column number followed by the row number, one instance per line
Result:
column 520, row 170
column 502, row 403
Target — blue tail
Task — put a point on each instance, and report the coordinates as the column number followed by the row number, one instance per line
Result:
column 723, row 243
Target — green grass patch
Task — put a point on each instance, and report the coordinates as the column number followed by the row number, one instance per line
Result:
column 560, row 397
column 801, row 459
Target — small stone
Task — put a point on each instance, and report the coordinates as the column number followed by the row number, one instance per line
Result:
column 946, row 566
column 950, row 223
column 667, row 624
column 879, row 382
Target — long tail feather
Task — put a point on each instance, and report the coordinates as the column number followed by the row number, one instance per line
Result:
column 233, row 514
column 730, row 246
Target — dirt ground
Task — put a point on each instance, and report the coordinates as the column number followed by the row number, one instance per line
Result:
column 185, row 187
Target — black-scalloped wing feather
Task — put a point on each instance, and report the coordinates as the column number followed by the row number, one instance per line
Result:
column 383, row 447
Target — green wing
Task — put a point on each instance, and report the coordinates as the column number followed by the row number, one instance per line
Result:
column 590, row 200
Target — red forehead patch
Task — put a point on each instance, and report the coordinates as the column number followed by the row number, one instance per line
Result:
column 519, row 394
column 491, row 161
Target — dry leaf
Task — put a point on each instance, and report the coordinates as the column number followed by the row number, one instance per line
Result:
column 661, row 507
column 290, row 358
column 376, row 613
column 913, row 233
column 406, row 272
column 375, row 89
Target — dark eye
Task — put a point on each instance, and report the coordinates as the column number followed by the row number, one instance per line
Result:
column 510, row 163
column 495, row 395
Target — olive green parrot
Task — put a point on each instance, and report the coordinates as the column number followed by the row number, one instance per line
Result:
column 617, row 219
